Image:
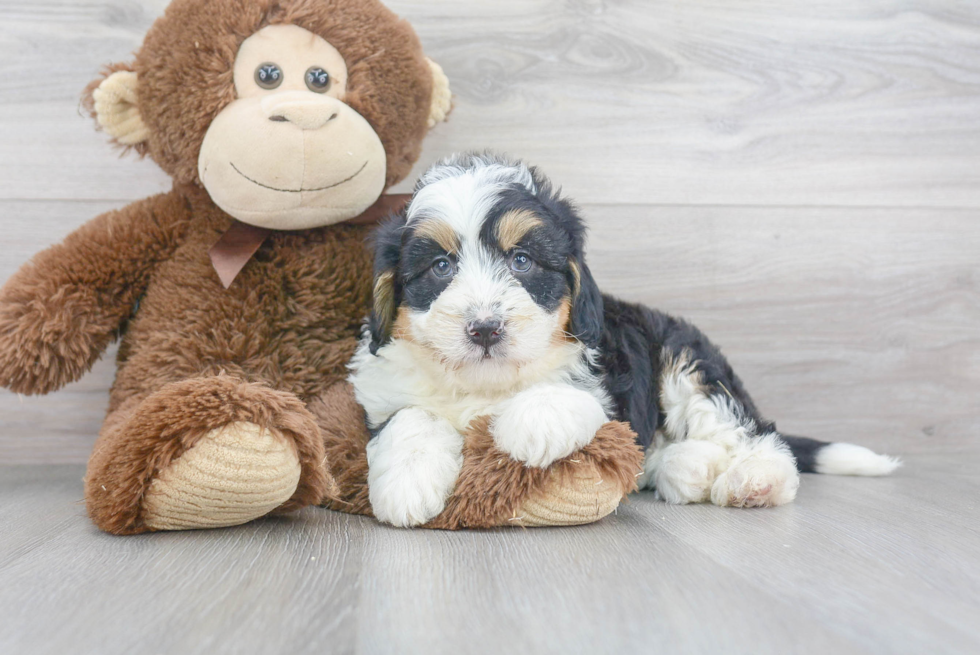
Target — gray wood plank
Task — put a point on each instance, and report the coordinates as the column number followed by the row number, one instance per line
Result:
column 831, row 102
column 76, row 590
column 50, row 149
column 846, row 324
column 855, row 565
column 847, row 539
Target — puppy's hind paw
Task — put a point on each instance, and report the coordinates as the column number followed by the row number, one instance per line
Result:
column 763, row 475
column 685, row 472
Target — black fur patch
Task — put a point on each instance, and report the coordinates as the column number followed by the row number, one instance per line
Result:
column 634, row 341
column 557, row 248
column 420, row 285
column 387, row 253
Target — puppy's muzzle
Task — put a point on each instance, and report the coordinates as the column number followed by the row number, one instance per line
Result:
column 485, row 334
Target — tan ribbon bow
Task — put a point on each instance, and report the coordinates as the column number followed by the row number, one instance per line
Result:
column 236, row 247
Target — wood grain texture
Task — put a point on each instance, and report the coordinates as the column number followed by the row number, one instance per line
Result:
column 854, row 566
column 846, row 324
column 828, row 102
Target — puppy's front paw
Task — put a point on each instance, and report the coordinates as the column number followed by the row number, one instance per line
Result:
column 547, row 422
column 413, row 465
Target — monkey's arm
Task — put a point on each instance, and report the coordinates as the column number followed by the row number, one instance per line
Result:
column 62, row 309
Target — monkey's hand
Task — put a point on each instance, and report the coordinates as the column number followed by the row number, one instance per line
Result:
column 61, row 310
column 49, row 334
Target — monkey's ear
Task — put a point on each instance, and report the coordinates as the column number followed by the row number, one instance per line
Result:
column 387, row 256
column 442, row 96
column 587, row 317
column 113, row 102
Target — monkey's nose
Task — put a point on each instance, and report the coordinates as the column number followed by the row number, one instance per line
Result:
column 301, row 110
column 485, row 333
column 303, row 119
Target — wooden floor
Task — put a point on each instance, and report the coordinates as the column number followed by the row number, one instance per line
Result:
column 800, row 179
column 855, row 565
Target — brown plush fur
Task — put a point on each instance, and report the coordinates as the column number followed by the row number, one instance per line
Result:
column 271, row 350
column 142, row 438
column 492, row 486
column 60, row 311
column 194, row 356
column 345, row 436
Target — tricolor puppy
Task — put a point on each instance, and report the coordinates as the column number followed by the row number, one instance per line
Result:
column 484, row 305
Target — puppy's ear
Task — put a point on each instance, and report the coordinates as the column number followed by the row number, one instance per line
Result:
column 387, row 254
column 586, row 322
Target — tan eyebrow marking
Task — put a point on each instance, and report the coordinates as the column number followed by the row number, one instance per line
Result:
column 514, row 226
column 403, row 326
column 440, row 232
column 384, row 299
column 562, row 334
column 577, row 276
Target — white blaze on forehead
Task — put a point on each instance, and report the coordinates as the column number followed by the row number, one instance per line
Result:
column 462, row 191
column 483, row 284
column 487, row 166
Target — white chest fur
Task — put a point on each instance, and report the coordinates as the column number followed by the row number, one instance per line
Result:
column 542, row 411
column 403, row 374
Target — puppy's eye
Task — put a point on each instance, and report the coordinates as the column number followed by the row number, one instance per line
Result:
column 268, row 75
column 442, row 267
column 520, row 262
column 317, row 80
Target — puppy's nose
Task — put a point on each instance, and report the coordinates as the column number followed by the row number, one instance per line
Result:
column 485, row 333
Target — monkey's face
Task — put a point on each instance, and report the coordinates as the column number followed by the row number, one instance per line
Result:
column 254, row 100
column 289, row 153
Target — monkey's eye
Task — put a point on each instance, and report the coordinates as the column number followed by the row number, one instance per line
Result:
column 268, row 76
column 444, row 268
column 520, row 262
column 317, row 79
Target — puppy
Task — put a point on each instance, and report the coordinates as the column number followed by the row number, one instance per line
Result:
column 484, row 306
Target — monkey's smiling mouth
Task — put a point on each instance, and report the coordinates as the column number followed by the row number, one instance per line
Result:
column 272, row 188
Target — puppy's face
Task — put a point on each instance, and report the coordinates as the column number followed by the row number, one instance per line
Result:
column 487, row 289
column 484, row 270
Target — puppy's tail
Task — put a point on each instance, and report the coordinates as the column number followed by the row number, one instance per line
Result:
column 814, row 456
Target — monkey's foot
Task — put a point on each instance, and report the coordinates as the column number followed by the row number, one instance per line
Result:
column 496, row 490
column 205, row 453
column 579, row 496
column 233, row 475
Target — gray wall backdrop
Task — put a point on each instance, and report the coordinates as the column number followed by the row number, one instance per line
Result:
column 800, row 179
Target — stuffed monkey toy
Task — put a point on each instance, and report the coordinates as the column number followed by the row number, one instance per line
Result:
column 239, row 296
